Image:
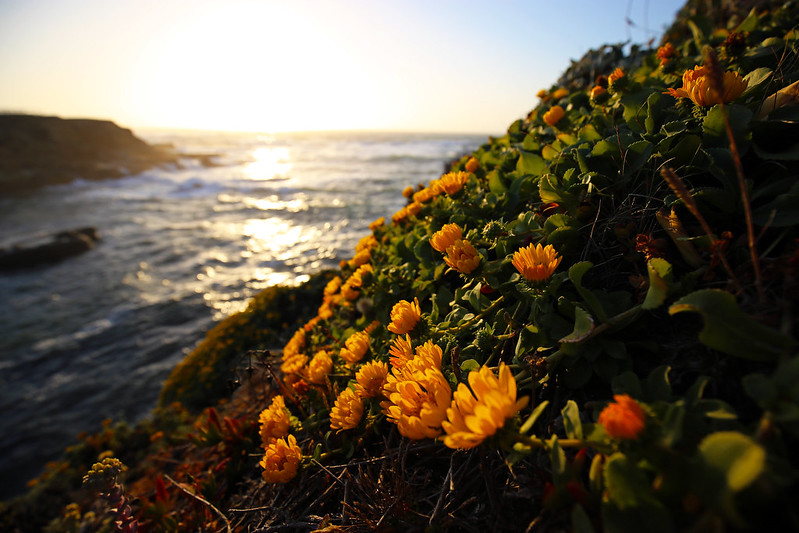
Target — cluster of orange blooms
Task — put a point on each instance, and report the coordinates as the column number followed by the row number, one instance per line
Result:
column 411, row 390
column 450, row 183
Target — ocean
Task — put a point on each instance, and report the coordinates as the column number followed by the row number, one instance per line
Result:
column 93, row 337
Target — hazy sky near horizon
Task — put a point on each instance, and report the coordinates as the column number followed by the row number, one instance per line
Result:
column 280, row 65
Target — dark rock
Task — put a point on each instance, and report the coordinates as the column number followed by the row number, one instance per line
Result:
column 36, row 151
column 55, row 248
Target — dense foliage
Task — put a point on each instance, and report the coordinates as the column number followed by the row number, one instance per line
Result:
column 589, row 324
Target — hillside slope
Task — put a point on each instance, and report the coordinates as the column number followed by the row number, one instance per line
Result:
column 589, row 324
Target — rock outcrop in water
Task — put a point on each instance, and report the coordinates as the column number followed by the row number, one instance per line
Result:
column 36, row 151
column 53, row 249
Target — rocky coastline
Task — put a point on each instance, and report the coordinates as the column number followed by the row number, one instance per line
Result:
column 37, row 151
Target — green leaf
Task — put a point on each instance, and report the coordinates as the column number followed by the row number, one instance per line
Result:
column 469, row 365
column 715, row 131
column 537, row 412
column 658, row 386
column 571, row 421
column 734, row 456
column 659, row 280
column 576, row 273
column 631, row 504
column 530, row 163
column 756, row 77
column 495, row 183
column 727, row 329
column 637, row 155
column 583, row 327
column 581, row 523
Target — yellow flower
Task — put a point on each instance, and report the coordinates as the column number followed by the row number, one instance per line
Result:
column 446, row 237
column 401, row 352
column 616, row 75
column 452, row 182
column 418, row 398
column 379, row 222
column 697, row 86
column 543, row 94
column 332, row 286
column 274, row 421
column 371, row 377
column 293, row 364
column 536, row 262
column 281, row 460
column 472, row 165
column 347, row 411
column 361, row 258
column 431, row 353
column 319, row 367
column 554, row 115
column 665, row 53
column 407, row 192
column 351, row 288
column 428, row 193
column 462, row 256
column 624, row 419
column 404, row 316
column 478, row 413
column 355, row 348
column 295, row 344
column 366, row 243
column 560, row 93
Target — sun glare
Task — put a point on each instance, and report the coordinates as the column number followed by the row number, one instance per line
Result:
column 258, row 67
column 270, row 163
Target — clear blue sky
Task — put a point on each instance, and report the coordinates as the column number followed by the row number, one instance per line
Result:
column 271, row 65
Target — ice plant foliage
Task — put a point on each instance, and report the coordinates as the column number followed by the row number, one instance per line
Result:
column 698, row 87
column 623, row 418
column 479, row 413
column 536, row 262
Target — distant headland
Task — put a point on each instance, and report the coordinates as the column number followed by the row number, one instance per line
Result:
column 36, row 151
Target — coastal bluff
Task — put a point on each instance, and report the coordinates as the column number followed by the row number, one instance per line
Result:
column 36, row 151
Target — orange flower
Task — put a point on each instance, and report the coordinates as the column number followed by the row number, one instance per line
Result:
column 472, row 165
column 379, row 222
column 319, row 367
column 452, row 182
column 407, row 192
column 332, row 286
column 478, row 413
column 347, row 411
column 401, row 352
column 274, row 421
column 616, row 75
column 665, row 53
column 293, row 364
column 361, row 258
column 404, row 316
column 371, row 377
column 351, row 288
column 281, row 460
column 554, row 115
column 431, row 353
column 355, row 348
column 560, row 93
column 597, row 91
column 696, row 86
column 536, row 262
column 366, row 243
column 418, row 398
column 624, row 419
column 462, row 256
column 446, row 237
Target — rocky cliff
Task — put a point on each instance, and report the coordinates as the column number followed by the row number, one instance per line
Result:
column 36, row 151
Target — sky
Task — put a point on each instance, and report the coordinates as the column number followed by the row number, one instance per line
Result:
column 449, row 66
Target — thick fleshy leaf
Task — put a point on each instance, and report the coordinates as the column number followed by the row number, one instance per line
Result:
column 729, row 330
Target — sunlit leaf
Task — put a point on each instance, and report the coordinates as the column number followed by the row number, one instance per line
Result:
column 735, row 456
column 659, row 279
